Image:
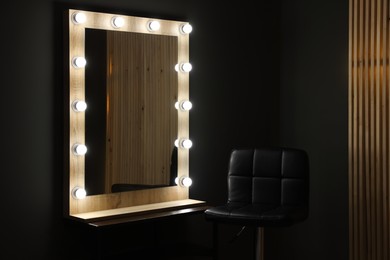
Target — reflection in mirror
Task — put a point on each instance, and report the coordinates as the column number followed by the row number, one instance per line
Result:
column 131, row 87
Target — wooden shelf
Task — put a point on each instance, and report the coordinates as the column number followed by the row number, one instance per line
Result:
column 140, row 213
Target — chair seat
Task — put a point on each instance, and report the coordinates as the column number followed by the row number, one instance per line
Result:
column 256, row 215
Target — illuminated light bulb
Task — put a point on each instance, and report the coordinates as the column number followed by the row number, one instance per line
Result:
column 79, row 149
column 186, row 181
column 185, row 28
column 79, row 106
column 183, row 181
column 186, row 105
column 183, row 67
column 183, row 105
column 186, row 143
column 183, row 143
column 186, row 67
column 79, row 62
column 153, row 26
column 117, row 22
column 79, row 193
column 79, row 18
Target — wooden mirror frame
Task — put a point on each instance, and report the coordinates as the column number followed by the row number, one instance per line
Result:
column 98, row 207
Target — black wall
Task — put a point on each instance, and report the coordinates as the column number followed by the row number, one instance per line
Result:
column 261, row 76
column 314, row 116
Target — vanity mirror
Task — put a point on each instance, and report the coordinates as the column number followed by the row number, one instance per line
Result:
column 131, row 123
column 127, row 115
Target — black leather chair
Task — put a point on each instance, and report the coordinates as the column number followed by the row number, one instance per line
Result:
column 267, row 187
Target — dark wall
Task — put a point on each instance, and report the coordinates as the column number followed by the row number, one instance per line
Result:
column 234, row 87
column 314, row 116
column 286, row 77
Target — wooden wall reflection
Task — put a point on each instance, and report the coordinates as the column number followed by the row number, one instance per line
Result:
column 131, row 125
column 142, row 87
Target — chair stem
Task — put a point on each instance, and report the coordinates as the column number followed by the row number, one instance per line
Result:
column 259, row 244
column 215, row 241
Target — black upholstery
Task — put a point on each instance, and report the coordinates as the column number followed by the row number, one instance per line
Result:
column 267, row 187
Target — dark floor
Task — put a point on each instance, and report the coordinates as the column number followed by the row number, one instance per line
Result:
column 175, row 253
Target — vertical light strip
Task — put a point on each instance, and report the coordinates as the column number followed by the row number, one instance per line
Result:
column 350, row 110
column 384, row 141
column 360, row 105
column 371, row 151
column 369, row 124
column 378, row 129
column 387, row 74
column 366, row 121
column 76, row 120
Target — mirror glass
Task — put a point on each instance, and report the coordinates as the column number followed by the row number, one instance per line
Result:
column 131, row 123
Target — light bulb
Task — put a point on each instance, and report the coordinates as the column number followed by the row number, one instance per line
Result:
column 183, row 105
column 79, row 193
column 183, row 181
column 79, row 106
column 185, row 28
column 186, row 143
column 186, row 105
column 117, row 22
column 183, row 67
column 183, row 143
column 153, row 25
column 79, row 149
column 186, row 181
column 79, row 18
column 79, row 62
column 186, row 67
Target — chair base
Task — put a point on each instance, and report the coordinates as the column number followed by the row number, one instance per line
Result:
column 258, row 243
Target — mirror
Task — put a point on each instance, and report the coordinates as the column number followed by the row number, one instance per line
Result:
column 137, row 108
column 131, row 122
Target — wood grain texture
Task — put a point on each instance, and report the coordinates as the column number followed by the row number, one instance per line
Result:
column 187, row 210
column 76, row 121
column 138, row 210
column 141, row 117
column 369, row 129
